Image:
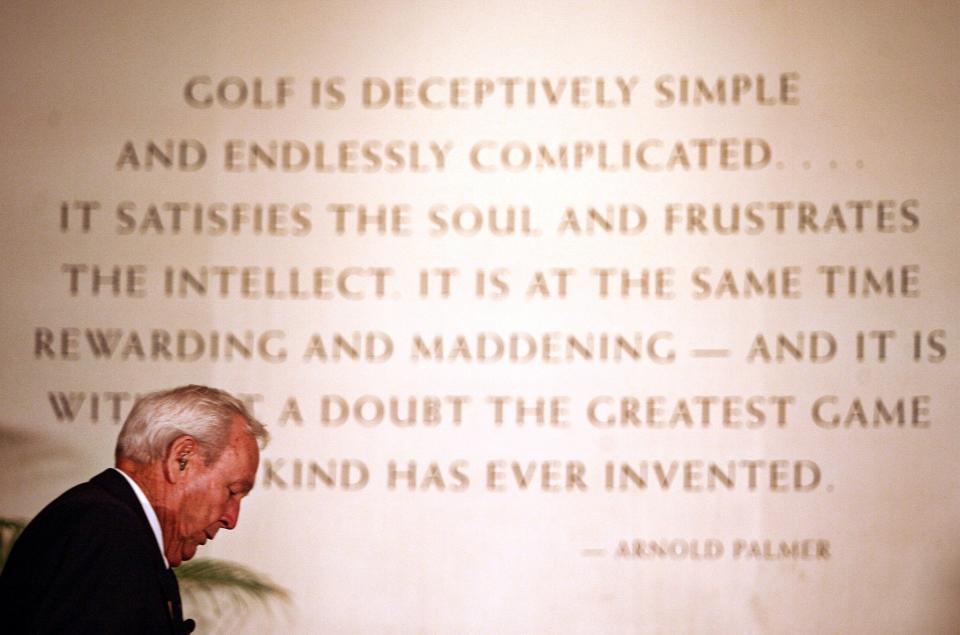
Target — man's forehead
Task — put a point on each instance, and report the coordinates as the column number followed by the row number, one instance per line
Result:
column 240, row 435
column 244, row 458
column 239, row 460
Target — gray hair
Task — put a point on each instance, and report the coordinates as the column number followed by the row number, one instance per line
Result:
column 204, row 413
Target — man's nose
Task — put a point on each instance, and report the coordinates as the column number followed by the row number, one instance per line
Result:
column 231, row 514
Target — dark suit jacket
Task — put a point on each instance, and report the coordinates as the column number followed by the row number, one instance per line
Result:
column 89, row 563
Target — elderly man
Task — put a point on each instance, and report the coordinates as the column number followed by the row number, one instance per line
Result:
column 98, row 558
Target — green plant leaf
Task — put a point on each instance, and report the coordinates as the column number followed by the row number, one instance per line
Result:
column 10, row 529
column 211, row 581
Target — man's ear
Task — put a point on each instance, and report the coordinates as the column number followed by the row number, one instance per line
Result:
column 181, row 455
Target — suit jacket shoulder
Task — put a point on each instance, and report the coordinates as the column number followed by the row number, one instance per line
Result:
column 88, row 563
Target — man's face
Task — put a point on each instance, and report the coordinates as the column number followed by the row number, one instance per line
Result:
column 210, row 500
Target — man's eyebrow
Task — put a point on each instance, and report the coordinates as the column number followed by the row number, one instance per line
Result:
column 245, row 485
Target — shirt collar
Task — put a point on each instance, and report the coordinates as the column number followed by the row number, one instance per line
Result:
column 151, row 515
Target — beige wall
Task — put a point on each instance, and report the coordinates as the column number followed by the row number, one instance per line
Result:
column 846, row 528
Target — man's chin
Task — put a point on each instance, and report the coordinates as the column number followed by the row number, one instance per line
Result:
column 184, row 554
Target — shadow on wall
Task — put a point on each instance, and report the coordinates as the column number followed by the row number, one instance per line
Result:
column 37, row 468
column 36, row 457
